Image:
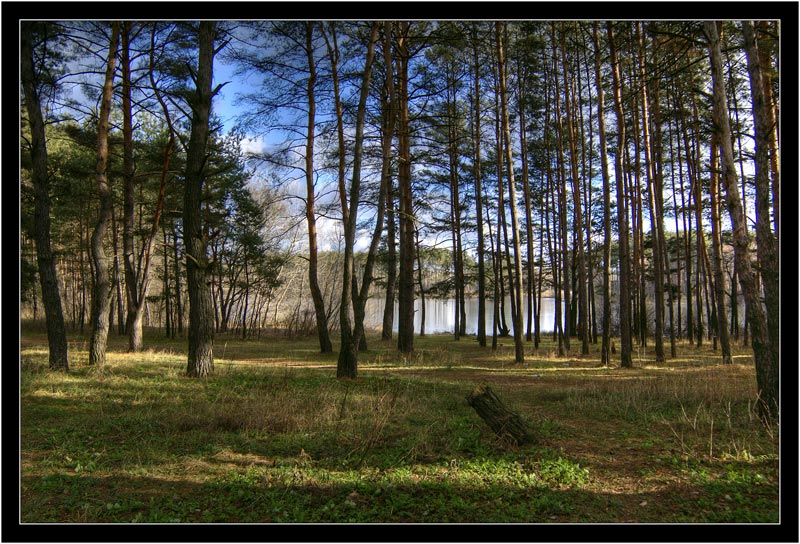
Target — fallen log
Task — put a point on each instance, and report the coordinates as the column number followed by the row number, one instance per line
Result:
column 505, row 423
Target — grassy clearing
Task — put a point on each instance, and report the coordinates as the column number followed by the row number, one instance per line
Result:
column 272, row 436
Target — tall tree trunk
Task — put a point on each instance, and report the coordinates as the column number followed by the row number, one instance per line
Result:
column 405, row 332
column 622, row 213
column 201, row 326
column 313, row 282
column 526, row 192
column 519, row 349
column 562, row 204
column 583, row 304
column 605, row 347
column 58, row 358
column 347, row 365
column 767, row 242
column 479, row 191
column 101, row 296
column 764, row 352
column 177, row 262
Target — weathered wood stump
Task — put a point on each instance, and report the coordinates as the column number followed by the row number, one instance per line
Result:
column 505, row 423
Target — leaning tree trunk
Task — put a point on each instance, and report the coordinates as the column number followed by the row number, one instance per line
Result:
column 764, row 353
column 101, row 295
column 201, row 321
column 48, row 279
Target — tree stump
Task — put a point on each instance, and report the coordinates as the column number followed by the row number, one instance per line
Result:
column 506, row 424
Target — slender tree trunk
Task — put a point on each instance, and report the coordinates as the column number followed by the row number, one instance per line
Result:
column 562, row 204
column 313, row 282
column 655, row 216
column 622, row 213
column 101, row 296
column 519, row 349
column 177, row 262
column 583, row 304
column 479, row 191
column 48, row 279
column 201, row 327
column 605, row 347
column 526, row 190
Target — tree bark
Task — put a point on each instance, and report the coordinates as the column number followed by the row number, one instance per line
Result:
column 58, row 358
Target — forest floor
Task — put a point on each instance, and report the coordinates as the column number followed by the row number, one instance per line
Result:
column 273, row 437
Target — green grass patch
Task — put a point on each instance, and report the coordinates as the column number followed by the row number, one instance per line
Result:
column 273, row 436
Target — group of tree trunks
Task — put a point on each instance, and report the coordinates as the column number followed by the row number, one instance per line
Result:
column 657, row 125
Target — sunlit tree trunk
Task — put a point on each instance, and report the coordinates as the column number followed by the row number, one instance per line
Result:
column 201, row 325
column 519, row 350
column 101, row 292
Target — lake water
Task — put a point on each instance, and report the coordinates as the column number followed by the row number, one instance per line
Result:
column 440, row 315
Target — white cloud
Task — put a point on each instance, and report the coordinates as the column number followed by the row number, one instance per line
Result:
column 252, row 144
